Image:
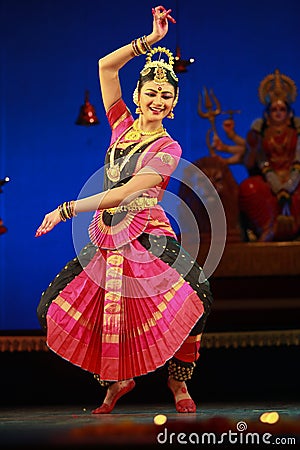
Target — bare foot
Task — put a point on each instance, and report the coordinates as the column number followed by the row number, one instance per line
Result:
column 114, row 392
column 183, row 401
column 114, row 389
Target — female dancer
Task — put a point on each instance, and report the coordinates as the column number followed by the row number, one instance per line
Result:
column 140, row 300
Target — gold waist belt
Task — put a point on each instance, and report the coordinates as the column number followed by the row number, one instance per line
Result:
column 137, row 204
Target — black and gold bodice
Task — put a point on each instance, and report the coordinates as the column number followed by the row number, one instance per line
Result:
column 129, row 168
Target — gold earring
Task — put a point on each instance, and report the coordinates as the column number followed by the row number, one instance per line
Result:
column 170, row 115
column 138, row 110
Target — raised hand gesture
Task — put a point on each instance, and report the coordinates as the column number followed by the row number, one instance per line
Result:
column 161, row 17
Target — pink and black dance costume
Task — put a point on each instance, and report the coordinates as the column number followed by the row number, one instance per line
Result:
column 133, row 299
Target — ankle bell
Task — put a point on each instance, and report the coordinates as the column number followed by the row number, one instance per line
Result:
column 180, row 370
column 102, row 383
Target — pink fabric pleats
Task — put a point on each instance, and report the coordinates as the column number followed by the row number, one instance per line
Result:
column 123, row 316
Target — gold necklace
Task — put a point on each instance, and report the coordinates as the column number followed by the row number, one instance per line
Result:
column 135, row 133
column 113, row 172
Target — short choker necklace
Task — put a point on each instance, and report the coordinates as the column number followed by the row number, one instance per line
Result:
column 135, row 133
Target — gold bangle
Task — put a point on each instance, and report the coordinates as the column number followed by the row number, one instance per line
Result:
column 146, row 43
column 61, row 213
column 134, row 48
column 140, row 46
column 72, row 208
column 66, row 210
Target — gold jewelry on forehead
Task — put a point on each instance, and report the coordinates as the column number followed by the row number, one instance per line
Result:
column 277, row 87
column 160, row 76
column 160, row 66
column 161, row 69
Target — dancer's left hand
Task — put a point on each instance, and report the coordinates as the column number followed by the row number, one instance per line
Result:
column 50, row 221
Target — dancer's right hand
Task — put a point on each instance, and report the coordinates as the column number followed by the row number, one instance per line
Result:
column 161, row 16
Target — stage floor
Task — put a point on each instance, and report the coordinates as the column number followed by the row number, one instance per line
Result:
column 133, row 426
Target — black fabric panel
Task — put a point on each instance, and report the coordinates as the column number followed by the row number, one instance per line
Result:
column 65, row 276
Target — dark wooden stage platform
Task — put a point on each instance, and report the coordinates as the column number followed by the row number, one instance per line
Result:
column 64, row 427
column 46, row 403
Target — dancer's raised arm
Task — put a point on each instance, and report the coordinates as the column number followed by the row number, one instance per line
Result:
column 110, row 64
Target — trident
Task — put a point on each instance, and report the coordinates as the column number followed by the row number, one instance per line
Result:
column 210, row 114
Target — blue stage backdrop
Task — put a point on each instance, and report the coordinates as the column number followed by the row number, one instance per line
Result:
column 49, row 55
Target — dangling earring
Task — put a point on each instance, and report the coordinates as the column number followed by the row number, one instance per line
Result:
column 138, row 110
column 170, row 115
column 136, row 99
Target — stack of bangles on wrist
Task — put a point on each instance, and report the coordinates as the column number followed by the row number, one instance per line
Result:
column 66, row 210
column 140, row 46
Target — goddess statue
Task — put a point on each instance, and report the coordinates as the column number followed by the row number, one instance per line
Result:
column 269, row 199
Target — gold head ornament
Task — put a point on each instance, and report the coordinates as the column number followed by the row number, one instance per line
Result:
column 277, row 87
column 161, row 69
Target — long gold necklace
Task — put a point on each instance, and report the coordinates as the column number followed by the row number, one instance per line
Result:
column 114, row 170
column 135, row 133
